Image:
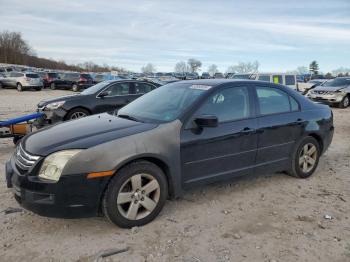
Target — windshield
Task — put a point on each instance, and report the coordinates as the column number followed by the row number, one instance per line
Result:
column 338, row 82
column 95, row 88
column 165, row 103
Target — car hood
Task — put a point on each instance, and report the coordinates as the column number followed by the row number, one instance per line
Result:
column 329, row 88
column 82, row 133
column 58, row 99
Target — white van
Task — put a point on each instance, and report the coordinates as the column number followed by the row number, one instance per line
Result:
column 289, row 80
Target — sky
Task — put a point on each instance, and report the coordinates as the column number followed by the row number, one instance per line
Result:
column 281, row 35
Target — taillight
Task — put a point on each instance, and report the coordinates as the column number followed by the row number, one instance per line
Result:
column 82, row 79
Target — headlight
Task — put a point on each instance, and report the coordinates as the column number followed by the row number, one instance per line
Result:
column 54, row 164
column 341, row 91
column 55, row 105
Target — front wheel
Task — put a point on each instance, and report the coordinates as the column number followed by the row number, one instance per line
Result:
column 19, row 87
column 345, row 102
column 136, row 195
column 77, row 113
column 305, row 158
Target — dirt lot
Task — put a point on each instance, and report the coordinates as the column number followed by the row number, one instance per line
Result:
column 256, row 218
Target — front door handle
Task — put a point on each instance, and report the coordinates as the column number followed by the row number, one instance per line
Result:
column 247, row 130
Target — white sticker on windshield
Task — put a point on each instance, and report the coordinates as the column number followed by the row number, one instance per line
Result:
column 201, row 87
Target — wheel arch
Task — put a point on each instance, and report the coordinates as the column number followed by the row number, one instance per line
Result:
column 318, row 139
column 77, row 107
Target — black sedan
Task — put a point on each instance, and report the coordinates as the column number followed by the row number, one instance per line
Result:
column 182, row 134
column 106, row 96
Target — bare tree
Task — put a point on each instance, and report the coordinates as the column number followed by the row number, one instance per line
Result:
column 213, row 69
column 341, row 70
column 244, row 67
column 194, row 64
column 13, row 48
column 181, row 67
column 149, row 68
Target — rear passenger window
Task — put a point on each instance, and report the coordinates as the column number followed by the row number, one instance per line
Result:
column 142, row 88
column 293, row 104
column 290, row 80
column 272, row 101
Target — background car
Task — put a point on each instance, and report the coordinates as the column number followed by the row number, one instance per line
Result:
column 74, row 81
column 51, row 79
column 333, row 92
column 305, row 87
column 218, row 75
column 205, row 75
column 22, row 81
column 106, row 96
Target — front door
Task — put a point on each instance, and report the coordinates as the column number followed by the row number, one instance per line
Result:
column 214, row 153
column 118, row 96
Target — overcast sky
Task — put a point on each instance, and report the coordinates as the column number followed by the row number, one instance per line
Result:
column 281, row 35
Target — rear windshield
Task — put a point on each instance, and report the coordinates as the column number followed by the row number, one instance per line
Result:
column 32, row 75
column 52, row 74
column 85, row 76
column 338, row 82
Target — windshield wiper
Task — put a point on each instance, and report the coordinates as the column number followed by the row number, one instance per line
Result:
column 129, row 117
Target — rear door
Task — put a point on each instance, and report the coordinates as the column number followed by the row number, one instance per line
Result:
column 118, row 96
column 280, row 124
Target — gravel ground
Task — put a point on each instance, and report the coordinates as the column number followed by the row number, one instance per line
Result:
column 270, row 217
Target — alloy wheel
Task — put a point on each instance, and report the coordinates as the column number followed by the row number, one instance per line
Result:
column 308, row 157
column 77, row 115
column 138, row 196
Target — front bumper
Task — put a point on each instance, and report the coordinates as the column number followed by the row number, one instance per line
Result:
column 330, row 99
column 50, row 117
column 73, row 196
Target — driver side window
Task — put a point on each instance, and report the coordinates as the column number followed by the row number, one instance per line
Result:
column 119, row 89
column 229, row 104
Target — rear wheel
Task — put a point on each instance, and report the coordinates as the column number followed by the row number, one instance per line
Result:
column 1, row 85
column 75, row 88
column 52, row 86
column 305, row 158
column 19, row 87
column 77, row 113
column 136, row 195
column 345, row 102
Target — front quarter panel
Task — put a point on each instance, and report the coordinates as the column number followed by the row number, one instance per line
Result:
column 162, row 143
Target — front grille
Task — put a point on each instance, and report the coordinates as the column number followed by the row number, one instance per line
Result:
column 323, row 92
column 24, row 160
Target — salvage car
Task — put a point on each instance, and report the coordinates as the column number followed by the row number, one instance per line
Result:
column 106, row 96
column 180, row 135
column 73, row 81
column 333, row 92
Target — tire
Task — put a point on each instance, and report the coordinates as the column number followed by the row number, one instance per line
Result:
column 120, row 214
column 77, row 113
column 19, row 87
column 75, row 88
column 345, row 102
column 298, row 167
column 1, row 85
column 52, row 86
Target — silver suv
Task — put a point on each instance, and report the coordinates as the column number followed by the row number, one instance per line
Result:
column 23, row 80
column 332, row 92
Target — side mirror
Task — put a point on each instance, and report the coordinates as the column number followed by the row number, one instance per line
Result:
column 103, row 94
column 206, row 121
